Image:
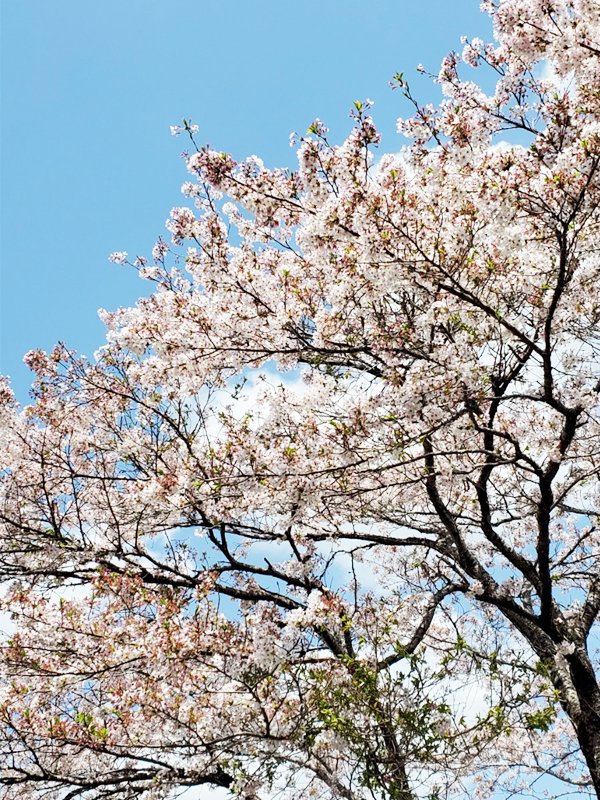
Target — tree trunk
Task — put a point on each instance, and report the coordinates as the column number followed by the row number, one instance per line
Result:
column 573, row 677
column 587, row 720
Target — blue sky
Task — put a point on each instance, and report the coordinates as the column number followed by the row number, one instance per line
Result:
column 89, row 90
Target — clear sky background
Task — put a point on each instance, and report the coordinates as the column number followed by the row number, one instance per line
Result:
column 90, row 88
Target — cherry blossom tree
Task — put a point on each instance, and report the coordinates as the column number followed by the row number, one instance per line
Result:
column 321, row 518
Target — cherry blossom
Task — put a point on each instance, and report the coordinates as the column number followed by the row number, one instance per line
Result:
column 321, row 517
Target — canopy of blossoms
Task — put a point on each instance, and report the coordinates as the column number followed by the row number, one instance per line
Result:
column 321, row 518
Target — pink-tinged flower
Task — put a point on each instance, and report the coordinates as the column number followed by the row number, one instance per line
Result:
column 118, row 257
column 160, row 250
